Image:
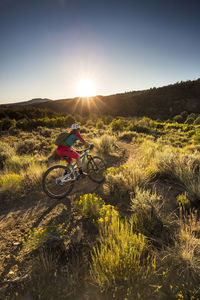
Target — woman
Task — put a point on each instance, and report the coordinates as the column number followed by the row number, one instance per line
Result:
column 69, row 141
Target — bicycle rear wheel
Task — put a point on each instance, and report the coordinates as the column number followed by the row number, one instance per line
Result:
column 95, row 169
column 58, row 181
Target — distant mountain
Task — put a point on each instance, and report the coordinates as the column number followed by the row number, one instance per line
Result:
column 164, row 102
column 30, row 102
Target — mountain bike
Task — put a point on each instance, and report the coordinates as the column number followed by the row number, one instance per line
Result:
column 58, row 181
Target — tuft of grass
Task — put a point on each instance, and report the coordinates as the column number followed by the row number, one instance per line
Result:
column 16, row 163
column 121, row 181
column 33, row 174
column 146, row 208
column 105, row 144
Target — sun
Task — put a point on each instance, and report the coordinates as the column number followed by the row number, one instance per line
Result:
column 85, row 88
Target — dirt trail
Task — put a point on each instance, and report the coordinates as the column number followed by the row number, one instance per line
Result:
column 36, row 209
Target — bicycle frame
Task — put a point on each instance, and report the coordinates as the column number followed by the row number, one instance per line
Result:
column 74, row 168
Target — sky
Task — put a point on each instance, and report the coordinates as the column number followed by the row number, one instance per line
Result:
column 47, row 47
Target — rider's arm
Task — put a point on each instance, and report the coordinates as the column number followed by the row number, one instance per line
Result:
column 79, row 137
column 77, row 134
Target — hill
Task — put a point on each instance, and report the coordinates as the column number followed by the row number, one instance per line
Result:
column 30, row 102
column 163, row 102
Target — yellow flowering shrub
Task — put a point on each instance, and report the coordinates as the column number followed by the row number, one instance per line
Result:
column 106, row 214
column 121, row 259
column 89, row 206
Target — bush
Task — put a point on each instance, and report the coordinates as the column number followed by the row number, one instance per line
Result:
column 183, row 201
column 118, row 124
column 146, row 208
column 121, row 263
column 121, row 181
column 178, row 118
column 105, row 144
column 16, row 163
column 38, row 236
column 197, row 121
column 89, row 206
column 106, row 214
column 11, row 182
column 99, row 124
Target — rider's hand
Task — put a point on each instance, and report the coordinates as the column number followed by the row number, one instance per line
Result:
column 91, row 146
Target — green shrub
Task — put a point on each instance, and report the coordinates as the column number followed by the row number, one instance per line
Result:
column 89, row 206
column 106, row 214
column 11, row 182
column 16, row 163
column 146, row 208
column 121, row 181
column 178, row 118
column 99, row 124
column 197, row 121
column 189, row 120
column 121, row 262
column 183, row 201
column 118, row 124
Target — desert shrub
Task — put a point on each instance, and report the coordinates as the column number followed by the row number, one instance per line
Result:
column 26, row 147
column 16, row 163
column 118, row 124
column 107, row 119
column 184, row 114
column 69, row 120
column 7, row 123
column 181, row 166
column 6, row 152
column 178, row 118
column 99, row 124
column 89, row 123
column 36, row 237
column 121, row 181
column 11, row 182
column 197, row 121
column 121, row 263
column 196, row 138
column 146, row 208
column 33, row 173
column 190, row 119
column 127, row 136
column 105, row 144
column 183, row 201
column 182, row 260
column 93, row 207
column 89, row 206
column 106, row 214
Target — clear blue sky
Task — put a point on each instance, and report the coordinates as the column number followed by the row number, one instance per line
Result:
column 47, row 46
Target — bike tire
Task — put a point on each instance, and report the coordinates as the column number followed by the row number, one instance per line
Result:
column 95, row 169
column 50, row 185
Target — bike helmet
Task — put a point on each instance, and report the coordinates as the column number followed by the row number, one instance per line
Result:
column 75, row 126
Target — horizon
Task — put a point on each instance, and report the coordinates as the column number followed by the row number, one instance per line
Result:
column 49, row 47
column 76, row 97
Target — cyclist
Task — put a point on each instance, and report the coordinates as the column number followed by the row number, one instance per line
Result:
column 63, row 151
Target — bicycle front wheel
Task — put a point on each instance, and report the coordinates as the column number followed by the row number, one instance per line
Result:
column 58, row 181
column 96, row 168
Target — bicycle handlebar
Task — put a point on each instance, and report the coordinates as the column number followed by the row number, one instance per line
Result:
column 83, row 150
